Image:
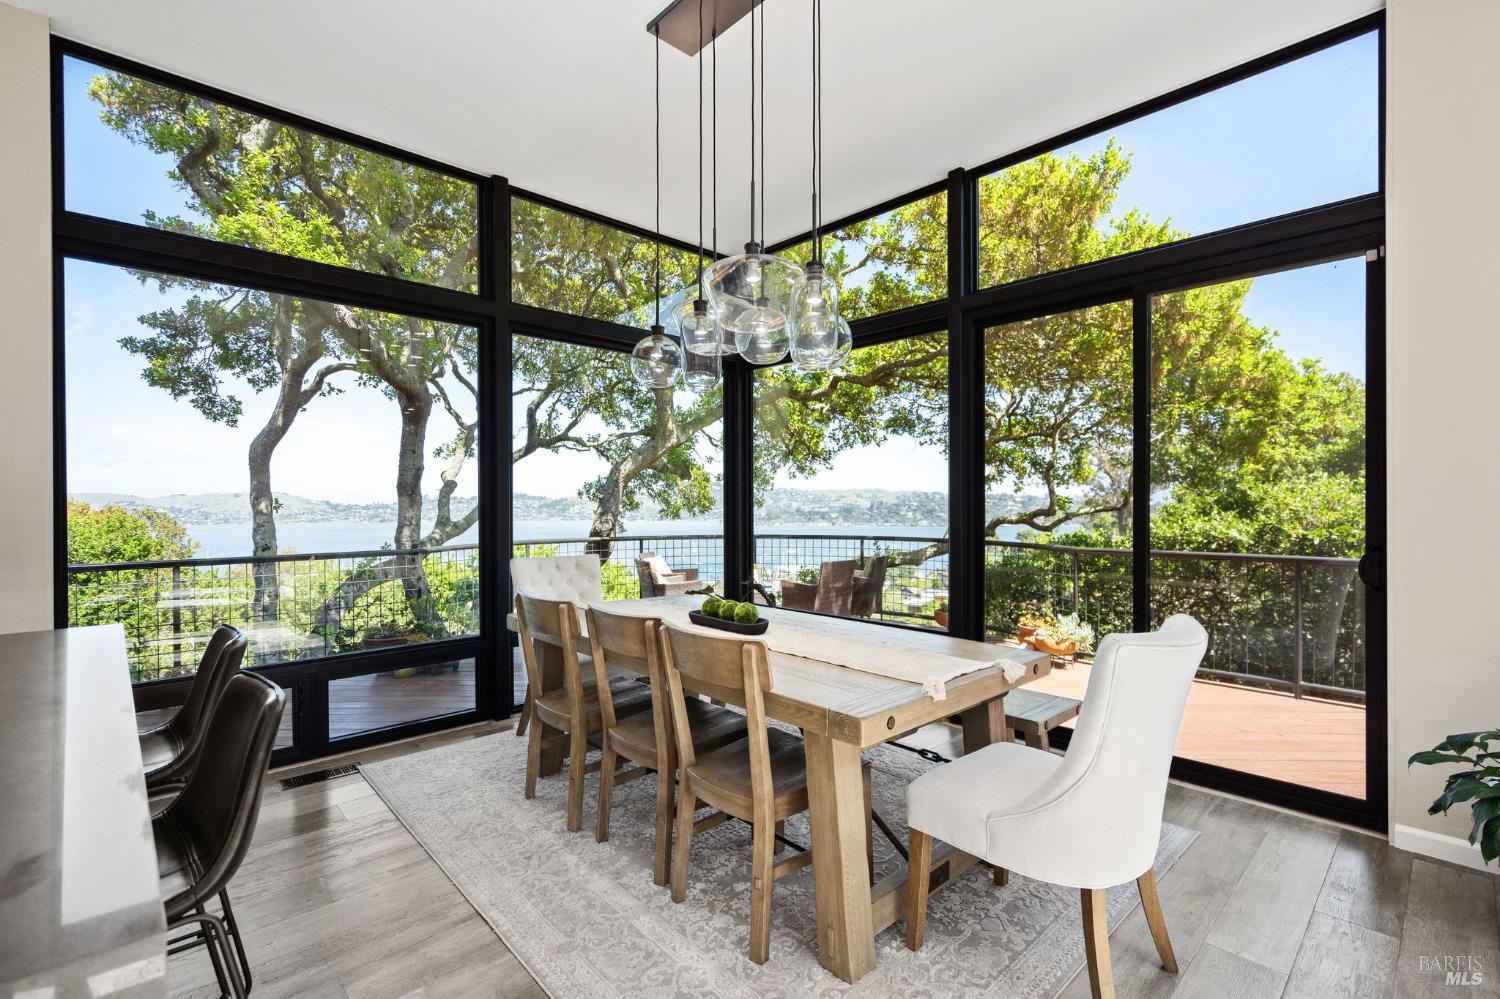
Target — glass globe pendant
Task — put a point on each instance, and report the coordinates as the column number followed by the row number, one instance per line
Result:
column 699, row 330
column 754, row 297
column 656, row 361
column 820, row 336
column 701, row 371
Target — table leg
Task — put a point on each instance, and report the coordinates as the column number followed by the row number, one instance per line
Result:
column 549, row 664
column 835, row 788
column 984, row 724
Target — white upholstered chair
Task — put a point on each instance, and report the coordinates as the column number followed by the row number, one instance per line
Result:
column 577, row 578
column 1088, row 820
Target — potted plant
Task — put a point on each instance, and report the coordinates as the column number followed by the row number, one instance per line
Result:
column 941, row 614
column 1064, row 637
column 384, row 634
column 1033, row 617
column 1478, row 784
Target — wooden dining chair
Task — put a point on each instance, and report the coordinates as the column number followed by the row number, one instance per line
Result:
column 1089, row 820
column 578, row 578
column 566, row 707
column 761, row 779
column 646, row 738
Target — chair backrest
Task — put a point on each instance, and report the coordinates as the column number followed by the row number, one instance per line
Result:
column 543, row 621
column 221, row 660
column 731, row 669
column 1114, row 777
column 648, row 573
column 216, row 811
column 632, row 642
column 869, row 586
column 565, row 577
column 835, row 588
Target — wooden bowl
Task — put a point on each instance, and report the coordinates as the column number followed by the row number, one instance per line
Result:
column 758, row 628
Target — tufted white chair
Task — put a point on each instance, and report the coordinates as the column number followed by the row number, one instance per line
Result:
column 1089, row 820
column 577, row 578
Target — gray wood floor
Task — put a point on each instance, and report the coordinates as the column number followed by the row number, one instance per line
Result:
column 338, row 901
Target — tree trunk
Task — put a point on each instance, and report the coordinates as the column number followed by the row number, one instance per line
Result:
column 416, row 408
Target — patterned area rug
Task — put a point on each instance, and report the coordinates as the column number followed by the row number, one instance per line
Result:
column 586, row 920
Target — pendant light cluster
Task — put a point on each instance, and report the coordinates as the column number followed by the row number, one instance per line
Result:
column 759, row 306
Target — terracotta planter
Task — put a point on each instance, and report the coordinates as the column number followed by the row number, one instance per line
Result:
column 1051, row 648
column 941, row 617
column 387, row 642
column 1025, row 631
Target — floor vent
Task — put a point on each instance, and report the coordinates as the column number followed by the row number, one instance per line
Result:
column 318, row 776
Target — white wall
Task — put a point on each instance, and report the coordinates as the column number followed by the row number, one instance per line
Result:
column 1442, row 152
column 25, row 323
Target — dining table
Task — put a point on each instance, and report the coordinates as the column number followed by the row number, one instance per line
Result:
column 80, row 902
column 842, row 711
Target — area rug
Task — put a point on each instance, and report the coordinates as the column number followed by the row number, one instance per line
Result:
column 587, row 921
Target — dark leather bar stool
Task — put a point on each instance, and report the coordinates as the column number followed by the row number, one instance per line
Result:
column 170, row 750
column 202, row 836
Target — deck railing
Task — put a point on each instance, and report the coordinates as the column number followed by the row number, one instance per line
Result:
column 1294, row 623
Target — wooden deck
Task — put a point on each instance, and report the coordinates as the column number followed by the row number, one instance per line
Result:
column 1306, row 741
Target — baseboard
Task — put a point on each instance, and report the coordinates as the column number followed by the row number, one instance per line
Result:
column 1439, row 846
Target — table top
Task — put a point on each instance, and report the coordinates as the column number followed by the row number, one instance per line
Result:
column 80, row 909
column 862, row 708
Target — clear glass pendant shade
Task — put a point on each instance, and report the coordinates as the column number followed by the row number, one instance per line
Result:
column 699, row 330
column 820, row 336
column 701, row 371
column 656, row 360
column 754, row 297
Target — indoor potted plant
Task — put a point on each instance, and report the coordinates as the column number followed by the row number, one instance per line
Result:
column 1478, row 783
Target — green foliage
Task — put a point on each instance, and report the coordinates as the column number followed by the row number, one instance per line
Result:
column 1479, row 784
column 110, row 534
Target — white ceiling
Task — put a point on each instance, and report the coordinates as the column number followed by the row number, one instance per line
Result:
column 556, row 94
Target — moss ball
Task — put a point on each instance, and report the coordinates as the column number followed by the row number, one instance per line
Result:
column 746, row 614
column 711, row 607
column 727, row 609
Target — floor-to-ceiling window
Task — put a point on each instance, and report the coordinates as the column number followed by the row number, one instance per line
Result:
column 303, row 466
column 850, row 471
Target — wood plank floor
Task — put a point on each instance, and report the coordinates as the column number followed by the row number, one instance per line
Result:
column 339, row 901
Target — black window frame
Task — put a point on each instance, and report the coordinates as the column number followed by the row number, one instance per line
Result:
column 1338, row 230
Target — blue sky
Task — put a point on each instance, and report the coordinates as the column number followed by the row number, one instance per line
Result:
column 1300, row 135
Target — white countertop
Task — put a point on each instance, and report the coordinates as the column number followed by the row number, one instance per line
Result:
column 80, row 905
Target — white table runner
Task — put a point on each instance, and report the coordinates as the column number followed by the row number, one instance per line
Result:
column 894, row 659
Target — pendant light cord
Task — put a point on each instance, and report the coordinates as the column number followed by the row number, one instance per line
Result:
column 763, row 182
column 752, row 123
column 818, row 66
column 657, row 32
column 817, row 239
column 700, row 149
column 715, row 45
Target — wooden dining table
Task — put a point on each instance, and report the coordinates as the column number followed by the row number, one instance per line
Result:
column 842, row 711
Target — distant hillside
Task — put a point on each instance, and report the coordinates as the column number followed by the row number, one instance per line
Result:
column 780, row 506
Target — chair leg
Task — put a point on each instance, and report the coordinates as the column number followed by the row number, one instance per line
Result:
column 1096, row 943
column 533, row 759
column 578, row 751
column 762, row 879
column 682, row 845
column 239, row 941
column 1002, row 877
column 606, row 790
column 869, row 830
column 1151, row 903
column 919, row 859
column 525, row 719
column 209, row 943
column 661, row 869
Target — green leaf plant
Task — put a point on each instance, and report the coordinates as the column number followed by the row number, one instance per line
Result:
column 1479, row 785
